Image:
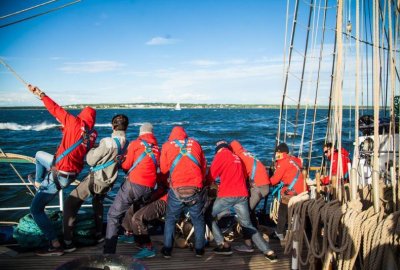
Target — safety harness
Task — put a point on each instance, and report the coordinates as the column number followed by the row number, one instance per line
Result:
column 85, row 137
column 118, row 159
column 148, row 151
column 182, row 152
column 290, row 187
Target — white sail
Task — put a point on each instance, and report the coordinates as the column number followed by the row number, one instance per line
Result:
column 178, row 107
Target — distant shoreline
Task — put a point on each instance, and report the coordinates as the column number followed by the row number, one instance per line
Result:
column 168, row 106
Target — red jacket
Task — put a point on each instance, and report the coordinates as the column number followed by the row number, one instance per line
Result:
column 261, row 176
column 286, row 171
column 186, row 172
column 228, row 167
column 334, row 165
column 73, row 127
column 145, row 173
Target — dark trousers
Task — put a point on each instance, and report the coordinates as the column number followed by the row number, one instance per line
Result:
column 282, row 218
column 128, row 194
column 74, row 202
column 142, row 217
column 256, row 194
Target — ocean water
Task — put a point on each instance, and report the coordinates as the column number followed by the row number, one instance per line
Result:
column 28, row 131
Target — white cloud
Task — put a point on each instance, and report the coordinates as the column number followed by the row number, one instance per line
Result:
column 161, row 41
column 203, row 63
column 91, row 67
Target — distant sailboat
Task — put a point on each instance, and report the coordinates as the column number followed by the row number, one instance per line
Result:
column 178, row 107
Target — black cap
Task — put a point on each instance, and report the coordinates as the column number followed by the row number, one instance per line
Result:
column 283, row 148
column 221, row 144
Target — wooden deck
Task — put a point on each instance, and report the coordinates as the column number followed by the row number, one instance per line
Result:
column 181, row 259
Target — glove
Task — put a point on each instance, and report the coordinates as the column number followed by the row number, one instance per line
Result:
column 36, row 91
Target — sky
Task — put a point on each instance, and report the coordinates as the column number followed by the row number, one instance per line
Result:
column 225, row 51
column 136, row 51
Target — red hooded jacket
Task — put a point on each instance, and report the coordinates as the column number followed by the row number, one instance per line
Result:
column 145, row 173
column 231, row 172
column 334, row 165
column 73, row 127
column 186, row 172
column 286, row 171
column 261, row 176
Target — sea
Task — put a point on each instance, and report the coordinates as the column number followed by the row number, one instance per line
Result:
column 25, row 132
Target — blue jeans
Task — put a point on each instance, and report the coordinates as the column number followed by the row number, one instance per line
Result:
column 174, row 210
column 39, row 202
column 46, row 193
column 241, row 206
column 128, row 194
column 43, row 164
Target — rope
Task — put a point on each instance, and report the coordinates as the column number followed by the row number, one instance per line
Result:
column 40, row 14
column 18, row 174
column 27, row 9
column 13, row 72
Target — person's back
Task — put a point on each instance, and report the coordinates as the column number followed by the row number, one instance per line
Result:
column 186, row 172
column 105, row 161
column 55, row 172
column 140, row 164
column 184, row 160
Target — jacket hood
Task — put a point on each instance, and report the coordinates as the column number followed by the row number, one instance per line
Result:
column 177, row 133
column 237, row 147
column 149, row 138
column 88, row 115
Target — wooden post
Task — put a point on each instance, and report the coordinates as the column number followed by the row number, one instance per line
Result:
column 353, row 184
column 305, row 175
column 334, row 189
column 318, row 182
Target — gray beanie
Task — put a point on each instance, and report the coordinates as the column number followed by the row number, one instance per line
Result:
column 146, row 128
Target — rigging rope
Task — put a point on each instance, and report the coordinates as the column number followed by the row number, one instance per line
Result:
column 27, row 9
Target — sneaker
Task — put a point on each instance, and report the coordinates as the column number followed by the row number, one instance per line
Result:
column 69, row 247
column 244, row 248
column 51, row 251
column 277, row 236
column 128, row 239
column 199, row 253
column 100, row 238
column 166, row 253
column 145, row 253
column 271, row 257
column 222, row 250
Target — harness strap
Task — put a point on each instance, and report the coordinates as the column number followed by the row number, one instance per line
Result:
column 290, row 188
column 75, row 145
column 115, row 160
column 253, row 170
column 182, row 152
column 148, row 151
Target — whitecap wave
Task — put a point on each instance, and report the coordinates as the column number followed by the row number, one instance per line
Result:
column 35, row 127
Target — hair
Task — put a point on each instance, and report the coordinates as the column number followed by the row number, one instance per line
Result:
column 120, row 122
column 328, row 145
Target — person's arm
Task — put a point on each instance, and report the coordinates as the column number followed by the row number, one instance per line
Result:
column 54, row 109
column 278, row 175
column 96, row 154
column 128, row 161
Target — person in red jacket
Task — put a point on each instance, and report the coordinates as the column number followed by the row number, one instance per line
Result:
column 183, row 158
column 233, row 192
column 140, row 164
column 289, row 181
column 55, row 172
column 258, row 182
column 332, row 156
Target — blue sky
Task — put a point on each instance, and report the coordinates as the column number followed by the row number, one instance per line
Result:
column 225, row 51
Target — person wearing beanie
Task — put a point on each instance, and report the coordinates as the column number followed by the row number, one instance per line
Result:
column 183, row 159
column 258, row 181
column 233, row 193
column 58, row 171
column 140, row 164
column 105, row 160
column 289, row 181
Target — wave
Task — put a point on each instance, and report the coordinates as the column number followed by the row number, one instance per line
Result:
column 36, row 127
